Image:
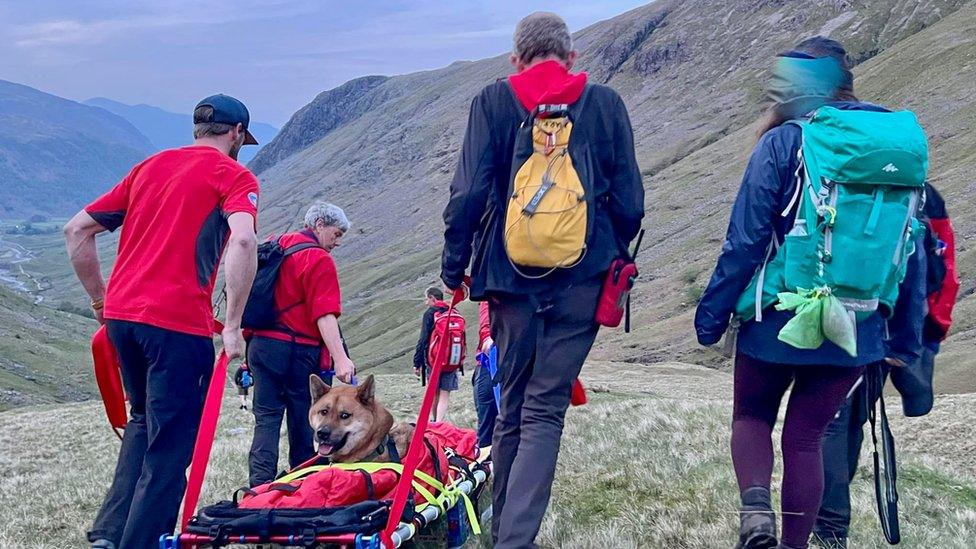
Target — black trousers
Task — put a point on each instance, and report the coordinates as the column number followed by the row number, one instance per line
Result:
column 165, row 374
column 542, row 343
column 842, row 450
column 280, row 371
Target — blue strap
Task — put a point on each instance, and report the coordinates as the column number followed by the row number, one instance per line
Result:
column 493, row 372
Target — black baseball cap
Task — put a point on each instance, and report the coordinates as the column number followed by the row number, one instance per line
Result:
column 226, row 110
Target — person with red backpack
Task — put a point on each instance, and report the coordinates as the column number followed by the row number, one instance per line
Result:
column 439, row 322
column 292, row 316
column 845, row 435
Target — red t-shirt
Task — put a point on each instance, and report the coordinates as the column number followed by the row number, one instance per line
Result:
column 307, row 289
column 174, row 206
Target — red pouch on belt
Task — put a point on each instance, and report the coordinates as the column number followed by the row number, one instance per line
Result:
column 615, row 294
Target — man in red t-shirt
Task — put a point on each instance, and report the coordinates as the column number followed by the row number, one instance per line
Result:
column 178, row 210
column 308, row 304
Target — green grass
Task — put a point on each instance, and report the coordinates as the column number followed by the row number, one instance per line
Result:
column 644, row 464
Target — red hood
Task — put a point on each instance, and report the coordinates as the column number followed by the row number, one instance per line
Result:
column 547, row 83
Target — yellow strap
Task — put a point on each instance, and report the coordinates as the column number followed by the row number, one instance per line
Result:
column 448, row 497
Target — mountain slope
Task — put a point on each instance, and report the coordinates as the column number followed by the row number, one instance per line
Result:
column 167, row 130
column 44, row 354
column 691, row 73
column 56, row 154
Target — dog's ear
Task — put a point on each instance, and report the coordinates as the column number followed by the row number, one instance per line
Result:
column 317, row 387
column 365, row 392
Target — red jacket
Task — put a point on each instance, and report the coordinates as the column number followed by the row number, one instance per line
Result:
column 484, row 330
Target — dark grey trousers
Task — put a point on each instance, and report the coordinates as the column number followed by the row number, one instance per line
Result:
column 280, row 371
column 542, row 343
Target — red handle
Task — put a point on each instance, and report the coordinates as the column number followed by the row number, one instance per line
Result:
column 415, row 451
column 205, row 438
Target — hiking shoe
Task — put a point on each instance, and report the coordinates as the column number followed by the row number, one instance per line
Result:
column 102, row 544
column 757, row 528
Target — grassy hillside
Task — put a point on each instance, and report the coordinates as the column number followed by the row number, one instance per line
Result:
column 44, row 354
column 645, row 464
column 691, row 74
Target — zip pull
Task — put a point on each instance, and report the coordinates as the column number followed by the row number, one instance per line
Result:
column 550, row 143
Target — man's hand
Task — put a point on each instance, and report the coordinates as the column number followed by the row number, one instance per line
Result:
column 465, row 292
column 486, row 346
column 99, row 315
column 344, row 369
column 416, row 371
column 233, row 339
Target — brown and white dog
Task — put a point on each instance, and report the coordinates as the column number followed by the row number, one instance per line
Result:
column 351, row 426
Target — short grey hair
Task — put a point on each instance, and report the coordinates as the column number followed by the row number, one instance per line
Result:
column 542, row 34
column 327, row 213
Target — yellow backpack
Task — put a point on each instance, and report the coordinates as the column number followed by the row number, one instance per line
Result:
column 546, row 222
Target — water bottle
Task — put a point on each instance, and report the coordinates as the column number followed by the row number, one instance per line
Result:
column 457, row 525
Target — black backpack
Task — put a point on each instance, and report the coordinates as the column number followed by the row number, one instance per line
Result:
column 260, row 312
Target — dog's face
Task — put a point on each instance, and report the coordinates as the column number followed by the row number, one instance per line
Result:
column 345, row 418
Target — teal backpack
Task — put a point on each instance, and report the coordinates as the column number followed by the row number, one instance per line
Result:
column 859, row 186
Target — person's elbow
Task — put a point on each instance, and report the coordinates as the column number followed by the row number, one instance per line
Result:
column 77, row 230
column 243, row 241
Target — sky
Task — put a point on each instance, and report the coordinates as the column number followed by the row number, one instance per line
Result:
column 275, row 55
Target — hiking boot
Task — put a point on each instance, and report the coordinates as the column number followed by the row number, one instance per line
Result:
column 757, row 522
column 102, row 544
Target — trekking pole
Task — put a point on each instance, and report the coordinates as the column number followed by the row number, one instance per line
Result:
column 885, row 466
column 633, row 259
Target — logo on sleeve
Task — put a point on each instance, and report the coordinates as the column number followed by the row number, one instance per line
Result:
column 253, row 197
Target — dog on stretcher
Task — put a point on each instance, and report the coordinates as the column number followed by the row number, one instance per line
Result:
column 351, row 426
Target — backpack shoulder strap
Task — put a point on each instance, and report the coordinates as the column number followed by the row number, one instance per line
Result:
column 299, row 247
column 576, row 108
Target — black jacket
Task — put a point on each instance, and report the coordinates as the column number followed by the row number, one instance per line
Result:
column 475, row 215
column 426, row 329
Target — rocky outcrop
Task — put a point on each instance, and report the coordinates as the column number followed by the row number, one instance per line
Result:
column 328, row 111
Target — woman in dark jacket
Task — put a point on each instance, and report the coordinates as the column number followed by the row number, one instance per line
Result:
column 764, row 366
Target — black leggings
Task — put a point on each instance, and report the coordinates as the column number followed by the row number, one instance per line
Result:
column 818, row 393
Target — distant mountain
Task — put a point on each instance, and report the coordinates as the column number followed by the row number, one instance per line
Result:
column 56, row 154
column 167, row 130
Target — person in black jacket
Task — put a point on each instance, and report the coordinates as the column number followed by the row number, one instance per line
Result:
column 844, row 436
column 448, row 382
column 543, row 326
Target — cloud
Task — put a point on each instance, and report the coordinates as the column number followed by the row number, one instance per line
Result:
column 164, row 15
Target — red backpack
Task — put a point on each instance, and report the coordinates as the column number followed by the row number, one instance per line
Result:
column 449, row 325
